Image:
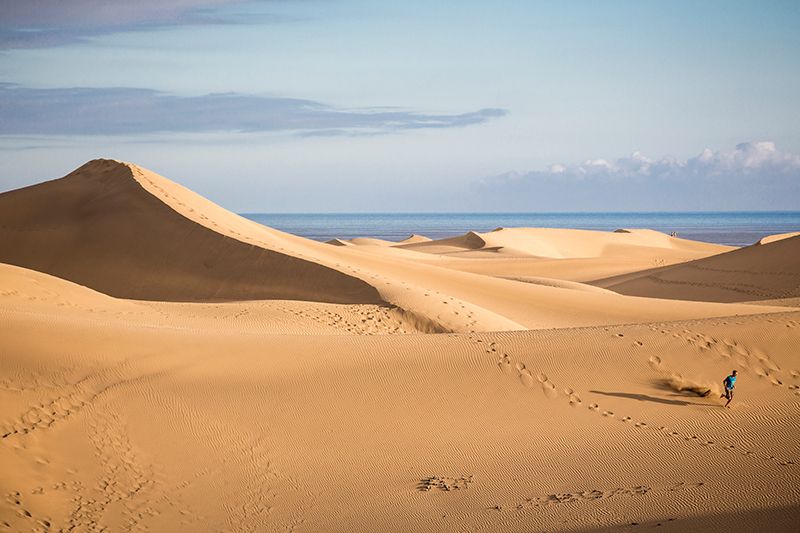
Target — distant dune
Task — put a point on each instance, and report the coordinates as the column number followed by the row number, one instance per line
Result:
column 370, row 241
column 769, row 269
column 566, row 243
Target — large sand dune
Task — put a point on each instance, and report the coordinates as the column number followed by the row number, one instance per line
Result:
column 114, row 227
column 764, row 271
column 166, row 365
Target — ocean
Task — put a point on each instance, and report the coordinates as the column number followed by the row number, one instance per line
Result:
column 731, row 228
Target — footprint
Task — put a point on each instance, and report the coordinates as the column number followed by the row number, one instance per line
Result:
column 506, row 367
column 526, row 378
column 549, row 390
column 594, row 407
column 655, row 361
column 541, row 377
column 608, row 413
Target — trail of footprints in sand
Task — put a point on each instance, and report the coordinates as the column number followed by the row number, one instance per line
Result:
column 126, row 480
column 549, row 500
column 375, row 320
column 526, row 377
column 740, row 355
column 72, row 399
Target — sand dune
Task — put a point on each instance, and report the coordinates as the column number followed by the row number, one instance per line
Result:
column 414, row 239
column 574, row 255
column 114, row 227
column 166, row 365
column 567, row 243
column 767, row 270
column 128, row 232
column 371, row 241
column 159, row 421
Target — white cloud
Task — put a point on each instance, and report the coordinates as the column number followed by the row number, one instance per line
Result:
column 750, row 158
column 752, row 175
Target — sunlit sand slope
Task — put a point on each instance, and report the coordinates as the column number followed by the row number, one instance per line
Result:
column 767, row 270
column 122, row 415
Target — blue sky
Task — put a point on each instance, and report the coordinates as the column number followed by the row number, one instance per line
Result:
column 327, row 105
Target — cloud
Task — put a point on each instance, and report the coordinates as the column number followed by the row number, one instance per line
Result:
column 44, row 23
column 754, row 175
column 132, row 111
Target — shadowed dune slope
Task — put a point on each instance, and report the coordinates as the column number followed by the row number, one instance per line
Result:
column 100, row 227
column 759, row 272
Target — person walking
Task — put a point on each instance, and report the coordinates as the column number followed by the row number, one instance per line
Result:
column 729, row 383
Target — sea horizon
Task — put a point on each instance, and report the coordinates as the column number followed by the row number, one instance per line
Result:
column 732, row 228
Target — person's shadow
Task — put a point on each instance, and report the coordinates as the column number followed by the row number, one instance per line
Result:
column 646, row 398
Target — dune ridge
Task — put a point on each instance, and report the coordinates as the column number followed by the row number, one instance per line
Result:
column 105, row 211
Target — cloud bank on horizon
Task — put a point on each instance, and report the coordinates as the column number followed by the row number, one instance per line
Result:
column 722, row 179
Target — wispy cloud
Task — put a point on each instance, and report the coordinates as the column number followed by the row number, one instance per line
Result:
column 751, row 175
column 132, row 111
column 45, row 23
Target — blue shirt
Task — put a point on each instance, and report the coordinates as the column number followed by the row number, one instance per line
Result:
column 730, row 381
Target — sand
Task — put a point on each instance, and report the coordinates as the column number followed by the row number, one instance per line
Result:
column 166, row 365
column 765, row 270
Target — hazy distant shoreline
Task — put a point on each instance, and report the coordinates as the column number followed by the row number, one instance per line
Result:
column 735, row 228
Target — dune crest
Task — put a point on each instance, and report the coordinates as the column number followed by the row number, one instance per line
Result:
column 777, row 237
